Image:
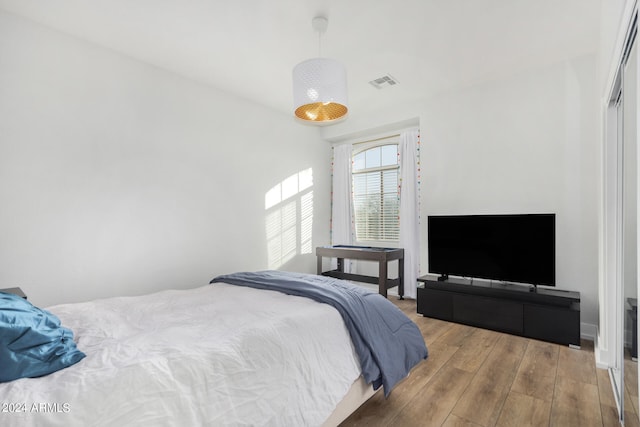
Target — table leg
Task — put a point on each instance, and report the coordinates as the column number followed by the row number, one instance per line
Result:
column 382, row 278
column 319, row 268
column 341, row 265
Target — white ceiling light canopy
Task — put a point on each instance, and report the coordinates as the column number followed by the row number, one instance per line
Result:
column 320, row 86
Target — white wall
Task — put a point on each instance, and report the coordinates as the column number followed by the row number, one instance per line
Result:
column 118, row 178
column 523, row 144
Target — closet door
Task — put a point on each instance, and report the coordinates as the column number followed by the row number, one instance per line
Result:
column 629, row 273
column 620, row 256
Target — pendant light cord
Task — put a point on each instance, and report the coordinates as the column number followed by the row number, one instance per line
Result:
column 319, row 23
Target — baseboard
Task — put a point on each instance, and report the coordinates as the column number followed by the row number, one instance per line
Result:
column 588, row 331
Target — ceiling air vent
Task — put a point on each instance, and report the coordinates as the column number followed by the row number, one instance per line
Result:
column 384, row 81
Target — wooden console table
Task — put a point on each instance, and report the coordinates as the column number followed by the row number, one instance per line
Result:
column 368, row 253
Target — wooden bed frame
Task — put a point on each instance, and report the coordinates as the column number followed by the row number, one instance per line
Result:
column 357, row 395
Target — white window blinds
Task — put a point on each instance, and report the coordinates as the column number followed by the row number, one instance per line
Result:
column 375, row 193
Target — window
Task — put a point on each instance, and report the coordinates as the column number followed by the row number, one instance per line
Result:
column 375, row 193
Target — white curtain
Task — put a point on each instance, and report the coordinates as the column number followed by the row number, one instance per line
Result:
column 342, row 207
column 410, row 209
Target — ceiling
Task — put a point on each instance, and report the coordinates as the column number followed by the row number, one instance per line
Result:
column 249, row 47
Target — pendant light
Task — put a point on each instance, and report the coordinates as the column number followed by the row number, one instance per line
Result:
column 320, row 86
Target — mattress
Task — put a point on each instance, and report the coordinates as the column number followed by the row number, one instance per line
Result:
column 215, row 355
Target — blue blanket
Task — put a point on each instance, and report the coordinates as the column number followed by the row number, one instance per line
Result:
column 387, row 342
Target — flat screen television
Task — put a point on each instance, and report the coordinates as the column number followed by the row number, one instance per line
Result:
column 511, row 248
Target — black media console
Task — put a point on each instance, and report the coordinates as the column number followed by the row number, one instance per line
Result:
column 544, row 314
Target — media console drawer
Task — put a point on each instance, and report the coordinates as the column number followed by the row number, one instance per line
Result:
column 547, row 315
column 438, row 304
column 491, row 313
column 555, row 324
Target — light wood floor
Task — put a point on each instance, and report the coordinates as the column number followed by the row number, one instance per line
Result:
column 476, row 377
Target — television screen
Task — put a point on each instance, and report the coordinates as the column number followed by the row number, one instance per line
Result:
column 510, row 248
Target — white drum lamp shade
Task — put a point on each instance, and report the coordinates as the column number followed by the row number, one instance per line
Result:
column 320, row 86
column 320, row 90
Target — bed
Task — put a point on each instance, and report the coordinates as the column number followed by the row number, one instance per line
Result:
column 234, row 352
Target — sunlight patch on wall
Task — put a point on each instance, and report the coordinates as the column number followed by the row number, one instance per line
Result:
column 289, row 218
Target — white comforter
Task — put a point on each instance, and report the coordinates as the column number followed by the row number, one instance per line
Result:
column 211, row 356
